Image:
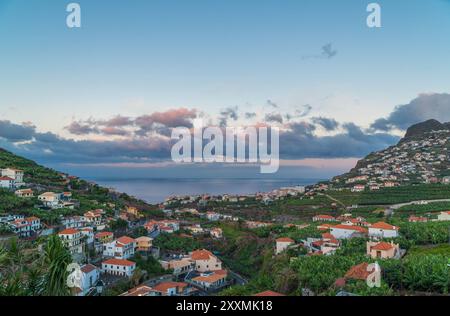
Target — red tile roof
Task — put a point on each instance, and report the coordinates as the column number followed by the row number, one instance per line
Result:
column 328, row 236
column 383, row 225
column 103, row 234
column 125, row 240
column 163, row 287
column 284, row 239
column 88, row 268
column 358, row 272
column 214, row 277
column 351, row 227
column 201, row 254
column 69, row 231
column 382, row 246
column 141, row 290
column 119, row 262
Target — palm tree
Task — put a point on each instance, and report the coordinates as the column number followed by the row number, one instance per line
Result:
column 35, row 280
column 12, row 286
column 57, row 258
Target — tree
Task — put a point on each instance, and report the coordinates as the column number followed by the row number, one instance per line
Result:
column 57, row 258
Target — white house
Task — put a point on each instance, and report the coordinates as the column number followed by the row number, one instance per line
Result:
column 119, row 267
column 179, row 265
column 324, row 218
column 50, row 199
column 282, row 244
column 88, row 234
column 25, row 227
column 170, row 288
column 444, row 216
column 74, row 222
column 205, row 261
column 211, row 280
column 90, row 275
column 6, row 182
column 15, row 174
column 358, row 188
column 383, row 230
column 71, row 238
column 216, row 233
column 93, row 217
column 347, row 231
column 24, row 193
column 212, row 216
column 121, row 248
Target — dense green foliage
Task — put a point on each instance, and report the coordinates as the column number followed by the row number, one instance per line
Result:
column 173, row 242
column 150, row 265
column 26, row 271
column 394, row 195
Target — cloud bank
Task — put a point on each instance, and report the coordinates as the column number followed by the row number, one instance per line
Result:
column 146, row 138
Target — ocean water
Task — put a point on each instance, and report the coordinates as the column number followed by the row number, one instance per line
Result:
column 156, row 190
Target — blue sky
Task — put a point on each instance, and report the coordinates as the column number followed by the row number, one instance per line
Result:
column 134, row 58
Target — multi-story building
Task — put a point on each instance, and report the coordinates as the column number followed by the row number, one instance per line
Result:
column 15, row 174
column 205, row 261
column 121, row 248
column 7, row 183
column 118, row 267
column 71, row 238
column 143, row 244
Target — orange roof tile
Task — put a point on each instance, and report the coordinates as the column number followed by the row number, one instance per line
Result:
column 88, row 268
column 103, row 234
column 119, row 262
column 351, row 227
column 383, row 225
column 69, row 231
column 284, row 239
column 382, row 246
column 164, row 286
column 201, row 254
column 214, row 277
column 125, row 240
column 358, row 272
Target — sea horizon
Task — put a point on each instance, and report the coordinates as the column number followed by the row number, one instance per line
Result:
column 156, row 190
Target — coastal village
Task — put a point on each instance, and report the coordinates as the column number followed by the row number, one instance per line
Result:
column 205, row 245
column 424, row 160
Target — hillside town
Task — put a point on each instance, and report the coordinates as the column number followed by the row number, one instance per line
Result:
column 423, row 160
column 204, row 245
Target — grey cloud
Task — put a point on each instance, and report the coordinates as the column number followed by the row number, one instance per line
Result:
column 80, row 128
column 118, row 121
column 326, row 123
column 250, row 115
column 228, row 113
column 297, row 141
column 274, row 118
column 303, row 110
column 422, row 108
column 15, row 132
column 300, row 142
column 123, row 126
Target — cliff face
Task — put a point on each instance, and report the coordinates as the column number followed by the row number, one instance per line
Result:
column 420, row 129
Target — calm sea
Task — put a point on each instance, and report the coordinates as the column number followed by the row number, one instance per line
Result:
column 156, row 190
